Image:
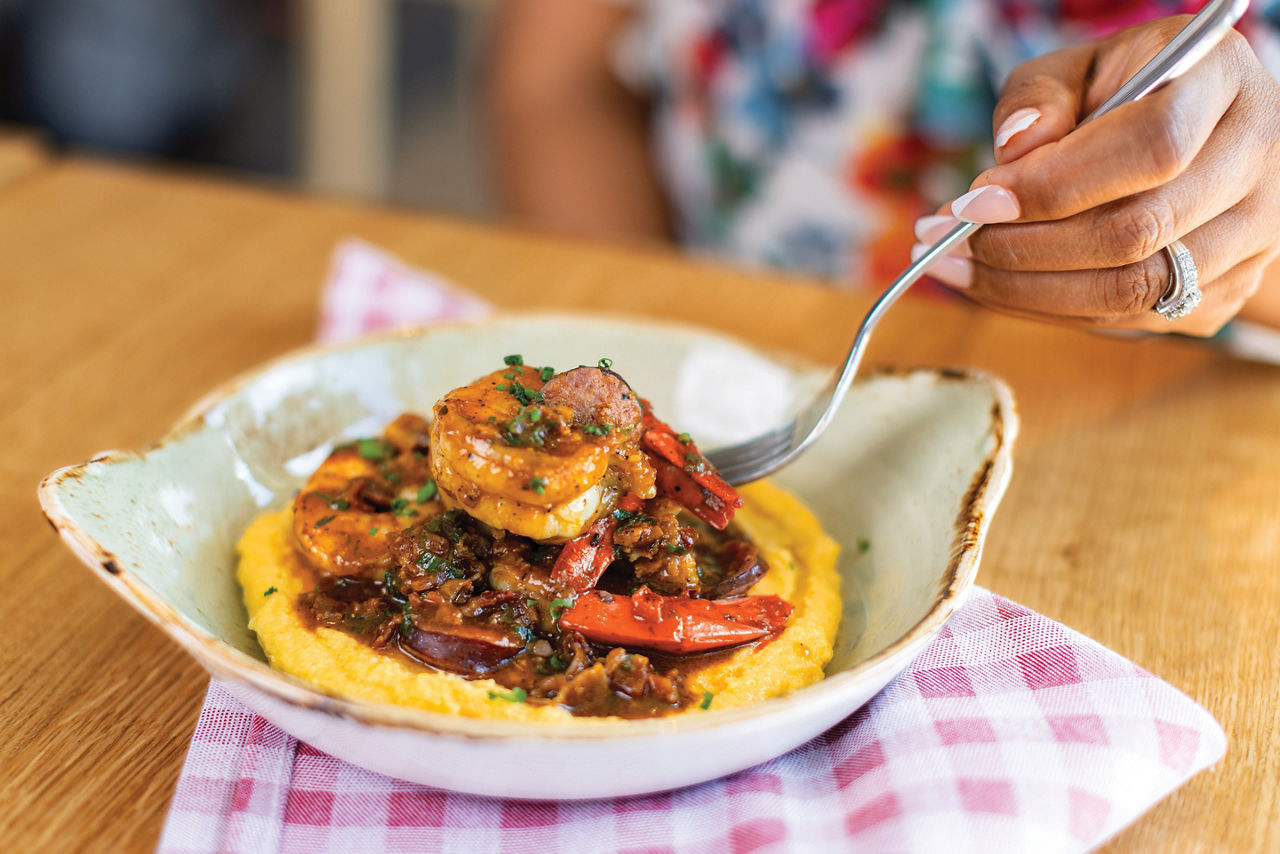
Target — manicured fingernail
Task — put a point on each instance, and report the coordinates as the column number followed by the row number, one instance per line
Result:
column 950, row 270
column 931, row 229
column 991, row 203
column 1018, row 121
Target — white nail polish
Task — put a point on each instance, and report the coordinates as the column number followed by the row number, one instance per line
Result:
column 1017, row 122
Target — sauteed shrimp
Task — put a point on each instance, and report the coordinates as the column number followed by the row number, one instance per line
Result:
column 538, row 454
column 361, row 495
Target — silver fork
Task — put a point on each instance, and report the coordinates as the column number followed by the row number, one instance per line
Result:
column 768, row 452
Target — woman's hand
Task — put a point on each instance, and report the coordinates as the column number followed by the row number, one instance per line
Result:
column 1085, row 216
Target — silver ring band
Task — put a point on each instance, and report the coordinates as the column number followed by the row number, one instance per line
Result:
column 1183, row 294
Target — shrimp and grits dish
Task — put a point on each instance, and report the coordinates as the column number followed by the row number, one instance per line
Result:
column 543, row 546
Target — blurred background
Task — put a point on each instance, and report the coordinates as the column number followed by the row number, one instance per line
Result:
column 374, row 99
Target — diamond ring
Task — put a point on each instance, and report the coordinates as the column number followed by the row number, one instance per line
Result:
column 1183, row 294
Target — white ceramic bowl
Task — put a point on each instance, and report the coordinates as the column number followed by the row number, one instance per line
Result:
column 906, row 480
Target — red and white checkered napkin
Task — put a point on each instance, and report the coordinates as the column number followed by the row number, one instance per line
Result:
column 1009, row 732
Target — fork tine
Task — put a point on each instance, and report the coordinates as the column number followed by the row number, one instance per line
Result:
column 746, row 461
column 735, row 455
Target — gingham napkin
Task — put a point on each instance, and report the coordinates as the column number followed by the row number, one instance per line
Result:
column 1009, row 732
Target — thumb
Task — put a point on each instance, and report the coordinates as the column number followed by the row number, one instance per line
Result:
column 1041, row 101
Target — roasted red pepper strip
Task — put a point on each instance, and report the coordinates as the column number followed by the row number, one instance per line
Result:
column 585, row 558
column 675, row 624
column 714, row 495
column 675, row 483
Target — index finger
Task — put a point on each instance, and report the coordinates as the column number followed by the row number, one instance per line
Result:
column 1136, row 147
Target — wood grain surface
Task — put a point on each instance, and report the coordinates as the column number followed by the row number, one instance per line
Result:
column 1144, row 510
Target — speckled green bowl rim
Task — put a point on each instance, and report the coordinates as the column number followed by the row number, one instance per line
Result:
column 227, row 663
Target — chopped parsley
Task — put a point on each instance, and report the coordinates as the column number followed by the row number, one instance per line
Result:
column 558, row 606
column 427, row 491
column 515, row 695
column 863, row 545
column 707, row 696
column 538, row 485
column 515, row 360
column 605, row 364
column 433, row 563
column 371, row 449
column 546, row 373
column 271, row 590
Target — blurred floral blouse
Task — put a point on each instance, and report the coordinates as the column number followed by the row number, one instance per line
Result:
column 808, row 135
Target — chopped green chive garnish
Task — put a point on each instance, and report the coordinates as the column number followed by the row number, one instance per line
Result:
column 335, row 503
column 325, row 521
column 508, row 376
column 524, row 394
column 427, row 492
column 271, row 590
column 400, row 507
column 605, row 364
column 684, row 438
column 676, row 549
column 514, row 360
column 501, row 386
column 597, row 429
column 546, row 373
column 515, row 695
column 706, row 700
column 863, row 544
column 394, row 594
column 626, row 517
column 558, row 606
column 371, row 449
column 373, row 531
column 538, row 485
column 556, row 661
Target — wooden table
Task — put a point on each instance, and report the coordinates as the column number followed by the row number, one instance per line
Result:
column 1144, row 512
column 21, row 154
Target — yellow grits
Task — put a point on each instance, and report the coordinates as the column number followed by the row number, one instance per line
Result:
column 801, row 561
